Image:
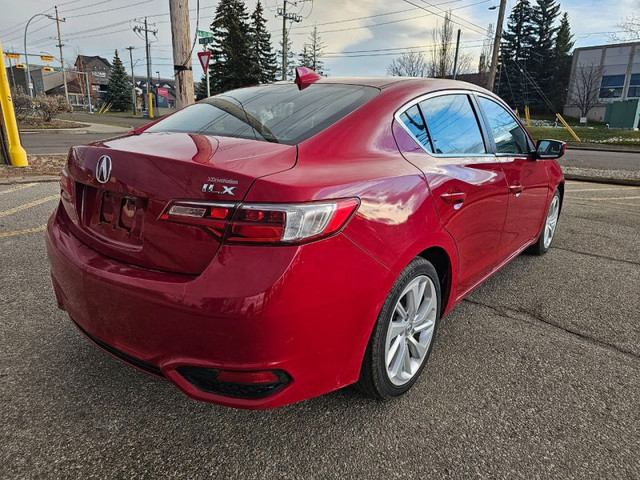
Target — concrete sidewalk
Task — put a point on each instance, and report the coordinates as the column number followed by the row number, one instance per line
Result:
column 90, row 129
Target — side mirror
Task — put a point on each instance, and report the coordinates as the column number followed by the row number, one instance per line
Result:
column 550, row 149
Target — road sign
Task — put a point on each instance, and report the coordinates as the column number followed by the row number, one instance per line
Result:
column 205, row 34
column 46, row 58
column 13, row 56
column 204, row 58
column 205, row 41
column 59, row 69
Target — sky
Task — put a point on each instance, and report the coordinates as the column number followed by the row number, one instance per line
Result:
column 361, row 37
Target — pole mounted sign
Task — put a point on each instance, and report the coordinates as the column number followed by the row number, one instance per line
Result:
column 205, row 58
column 46, row 58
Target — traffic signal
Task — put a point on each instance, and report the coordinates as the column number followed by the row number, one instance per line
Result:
column 23, row 66
column 48, row 69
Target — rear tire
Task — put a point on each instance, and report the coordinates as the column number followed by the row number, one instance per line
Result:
column 543, row 243
column 403, row 335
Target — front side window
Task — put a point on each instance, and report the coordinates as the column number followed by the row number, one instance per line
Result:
column 453, row 125
column 272, row 113
column 507, row 133
column 634, row 86
column 412, row 118
column 612, row 86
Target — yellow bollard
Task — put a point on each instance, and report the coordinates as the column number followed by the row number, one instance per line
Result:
column 150, row 100
column 569, row 129
column 17, row 154
column 527, row 115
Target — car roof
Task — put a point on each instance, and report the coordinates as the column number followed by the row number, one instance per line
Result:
column 421, row 83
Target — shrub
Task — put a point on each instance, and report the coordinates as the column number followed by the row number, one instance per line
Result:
column 48, row 107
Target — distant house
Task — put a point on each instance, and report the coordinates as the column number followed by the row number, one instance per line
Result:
column 99, row 70
column 162, row 89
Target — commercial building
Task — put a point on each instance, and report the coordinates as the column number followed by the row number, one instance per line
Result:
column 611, row 72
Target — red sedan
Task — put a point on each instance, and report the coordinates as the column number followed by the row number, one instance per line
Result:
column 278, row 242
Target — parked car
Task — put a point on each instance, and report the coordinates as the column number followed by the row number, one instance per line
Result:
column 278, row 242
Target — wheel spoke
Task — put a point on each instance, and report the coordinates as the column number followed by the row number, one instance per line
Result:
column 428, row 305
column 400, row 310
column 396, row 328
column 398, row 358
column 406, row 361
column 417, row 349
column 424, row 326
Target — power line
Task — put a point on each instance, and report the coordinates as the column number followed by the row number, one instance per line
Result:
column 111, row 9
column 477, row 29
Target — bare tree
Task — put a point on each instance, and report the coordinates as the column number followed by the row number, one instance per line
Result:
column 443, row 52
column 409, row 64
column 630, row 29
column 585, row 90
column 487, row 49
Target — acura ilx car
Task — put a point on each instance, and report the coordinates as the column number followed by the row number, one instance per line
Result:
column 277, row 242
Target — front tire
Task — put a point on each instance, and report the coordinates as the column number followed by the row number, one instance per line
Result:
column 403, row 335
column 543, row 243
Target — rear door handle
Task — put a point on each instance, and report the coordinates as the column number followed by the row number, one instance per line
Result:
column 454, row 198
column 516, row 189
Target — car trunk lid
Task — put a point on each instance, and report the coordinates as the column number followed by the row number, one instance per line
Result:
column 118, row 213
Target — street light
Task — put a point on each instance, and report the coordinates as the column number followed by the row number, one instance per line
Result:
column 26, row 56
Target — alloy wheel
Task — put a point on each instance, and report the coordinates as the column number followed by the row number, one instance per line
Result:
column 410, row 330
column 552, row 221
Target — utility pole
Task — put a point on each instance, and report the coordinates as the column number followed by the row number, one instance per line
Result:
column 496, row 45
column 133, row 80
column 139, row 29
column 455, row 59
column 181, row 40
column 282, row 12
column 60, row 45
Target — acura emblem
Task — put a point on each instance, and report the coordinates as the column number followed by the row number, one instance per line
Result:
column 103, row 169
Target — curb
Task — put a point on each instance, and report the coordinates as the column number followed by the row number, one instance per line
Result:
column 605, row 149
column 40, row 131
column 34, row 179
column 608, row 180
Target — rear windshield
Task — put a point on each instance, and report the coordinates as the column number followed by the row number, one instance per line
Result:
column 271, row 113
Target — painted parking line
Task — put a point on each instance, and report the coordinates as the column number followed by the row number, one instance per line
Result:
column 22, row 232
column 600, row 189
column 602, row 199
column 18, row 187
column 19, row 208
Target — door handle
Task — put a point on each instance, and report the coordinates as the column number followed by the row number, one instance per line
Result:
column 454, row 198
column 516, row 189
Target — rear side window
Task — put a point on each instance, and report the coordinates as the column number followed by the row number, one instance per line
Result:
column 452, row 125
column 412, row 118
column 507, row 133
column 272, row 113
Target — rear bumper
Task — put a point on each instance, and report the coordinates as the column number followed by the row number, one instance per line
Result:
column 307, row 311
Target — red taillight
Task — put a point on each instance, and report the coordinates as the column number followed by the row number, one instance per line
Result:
column 264, row 223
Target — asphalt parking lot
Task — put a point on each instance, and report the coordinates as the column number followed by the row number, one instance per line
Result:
column 536, row 375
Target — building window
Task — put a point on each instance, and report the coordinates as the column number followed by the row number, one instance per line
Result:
column 612, row 86
column 634, row 86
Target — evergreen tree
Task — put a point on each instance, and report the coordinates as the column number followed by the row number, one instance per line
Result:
column 304, row 59
column 291, row 72
column 232, row 65
column 542, row 65
column 201, row 88
column 562, row 59
column 515, row 52
column 314, row 51
column 119, row 87
column 264, row 58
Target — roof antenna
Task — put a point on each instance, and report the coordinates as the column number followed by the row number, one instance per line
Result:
column 305, row 77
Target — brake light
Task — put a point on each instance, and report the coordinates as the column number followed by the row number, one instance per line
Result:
column 251, row 223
